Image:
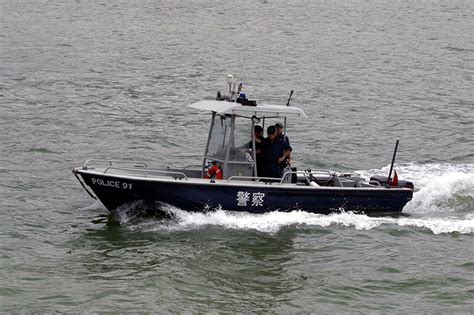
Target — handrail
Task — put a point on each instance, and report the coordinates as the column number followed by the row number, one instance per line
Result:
column 283, row 178
column 257, row 179
column 110, row 162
column 229, row 162
column 137, row 163
column 304, row 173
column 241, row 177
column 148, row 172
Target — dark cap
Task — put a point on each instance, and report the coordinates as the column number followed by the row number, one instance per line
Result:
column 271, row 130
column 279, row 125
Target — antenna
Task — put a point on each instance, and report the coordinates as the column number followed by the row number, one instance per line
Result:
column 241, row 76
column 289, row 98
column 393, row 162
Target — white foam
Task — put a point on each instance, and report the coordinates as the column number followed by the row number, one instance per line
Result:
column 274, row 221
column 439, row 187
column 441, row 225
column 127, row 213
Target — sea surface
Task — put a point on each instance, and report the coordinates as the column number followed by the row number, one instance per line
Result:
column 111, row 80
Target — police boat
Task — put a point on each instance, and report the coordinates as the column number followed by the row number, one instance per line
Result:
column 227, row 176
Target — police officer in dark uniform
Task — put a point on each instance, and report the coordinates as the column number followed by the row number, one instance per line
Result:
column 283, row 137
column 275, row 152
column 280, row 134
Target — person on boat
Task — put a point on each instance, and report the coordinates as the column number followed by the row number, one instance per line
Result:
column 283, row 137
column 275, row 152
column 279, row 131
column 258, row 147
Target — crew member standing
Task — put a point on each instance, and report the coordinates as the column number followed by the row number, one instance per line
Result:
column 259, row 148
column 283, row 137
column 275, row 152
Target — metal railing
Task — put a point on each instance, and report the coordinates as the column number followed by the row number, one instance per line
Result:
column 136, row 168
column 149, row 173
column 228, row 162
column 282, row 180
column 307, row 174
column 111, row 163
column 256, row 179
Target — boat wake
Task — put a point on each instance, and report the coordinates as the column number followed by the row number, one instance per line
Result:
column 439, row 187
column 443, row 203
column 274, row 221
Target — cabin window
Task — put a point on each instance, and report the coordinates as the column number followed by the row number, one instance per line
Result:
column 219, row 137
column 222, row 136
column 242, row 141
column 229, row 144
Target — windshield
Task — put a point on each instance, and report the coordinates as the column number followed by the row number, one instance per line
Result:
column 219, row 137
column 222, row 137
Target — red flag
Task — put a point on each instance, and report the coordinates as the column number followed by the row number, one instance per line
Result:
column 394, row 182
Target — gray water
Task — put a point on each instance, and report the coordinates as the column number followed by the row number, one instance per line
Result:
column 96, row 79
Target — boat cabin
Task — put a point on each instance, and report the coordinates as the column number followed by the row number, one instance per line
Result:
column 231, row 140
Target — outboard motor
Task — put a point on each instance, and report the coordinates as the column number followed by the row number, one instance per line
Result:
column 383, row 181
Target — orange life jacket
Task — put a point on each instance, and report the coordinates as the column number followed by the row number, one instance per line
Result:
column 214, row 170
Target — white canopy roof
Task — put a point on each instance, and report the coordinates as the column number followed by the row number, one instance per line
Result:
column 232, row 108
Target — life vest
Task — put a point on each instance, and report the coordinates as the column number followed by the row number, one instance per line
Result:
column 214, row 170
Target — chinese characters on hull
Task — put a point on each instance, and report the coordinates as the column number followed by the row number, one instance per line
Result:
column 243, row 198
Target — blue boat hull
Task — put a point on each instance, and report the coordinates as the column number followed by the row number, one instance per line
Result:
column 115, row 192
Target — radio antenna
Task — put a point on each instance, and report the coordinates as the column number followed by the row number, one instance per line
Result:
column 242, row 63
column 393, row 162
column 289, row 98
